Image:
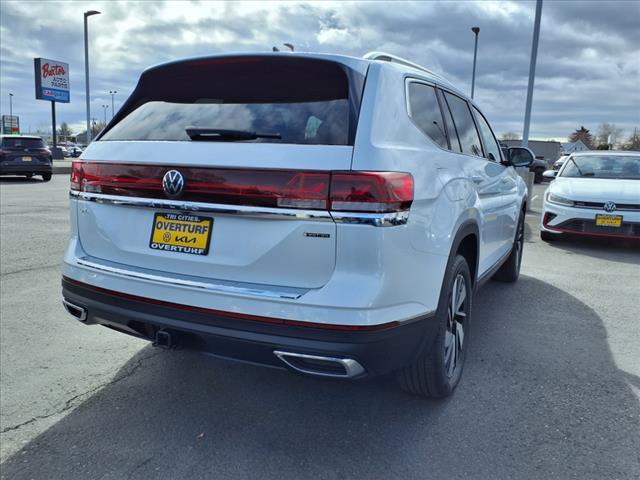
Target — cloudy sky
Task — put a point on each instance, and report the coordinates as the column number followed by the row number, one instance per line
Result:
column 588, row 61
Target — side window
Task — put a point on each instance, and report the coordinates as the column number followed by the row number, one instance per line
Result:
column 467, row 133
column 490, row 144
column 451, row 128
column 425, row 112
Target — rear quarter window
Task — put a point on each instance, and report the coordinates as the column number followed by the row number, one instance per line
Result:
column 425, row 112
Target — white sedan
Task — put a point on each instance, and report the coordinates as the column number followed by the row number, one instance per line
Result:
column 595, row 193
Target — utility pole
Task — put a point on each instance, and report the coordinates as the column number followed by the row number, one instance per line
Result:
column 11, row 104
column 532, row 73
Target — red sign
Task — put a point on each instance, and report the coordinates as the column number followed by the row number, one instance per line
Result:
column 50, row 71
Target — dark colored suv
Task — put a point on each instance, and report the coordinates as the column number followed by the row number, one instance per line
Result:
column 25, row 155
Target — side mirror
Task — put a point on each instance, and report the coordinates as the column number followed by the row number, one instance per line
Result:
column 520, row 156
column 549, row 174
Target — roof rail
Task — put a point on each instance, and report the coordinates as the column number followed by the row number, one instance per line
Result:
column 387, row 57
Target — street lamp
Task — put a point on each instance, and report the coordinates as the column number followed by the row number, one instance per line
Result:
column 112, row 93
column 476, row 31
column 104, row 109
column 11, row 104
column 86, row 70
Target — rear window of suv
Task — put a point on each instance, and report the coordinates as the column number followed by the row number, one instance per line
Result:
column 300, row 100
column 21, row 142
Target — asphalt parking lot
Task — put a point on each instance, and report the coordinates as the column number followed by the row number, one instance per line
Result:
column 551, row 388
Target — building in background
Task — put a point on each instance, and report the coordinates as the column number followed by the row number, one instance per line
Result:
column 549, row 151
column 577, row 146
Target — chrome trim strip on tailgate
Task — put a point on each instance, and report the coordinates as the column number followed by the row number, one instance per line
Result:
column 374, row 219
column 371, row 219
column 212, row 287
column 262, row 212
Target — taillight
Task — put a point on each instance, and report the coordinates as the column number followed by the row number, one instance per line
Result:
column 371, row 191
column 340, row 191
column 76, row 176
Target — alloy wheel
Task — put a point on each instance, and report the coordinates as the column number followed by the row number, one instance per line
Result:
column 454, row 334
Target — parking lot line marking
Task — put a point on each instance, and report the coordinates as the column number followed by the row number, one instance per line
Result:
column 534, row 197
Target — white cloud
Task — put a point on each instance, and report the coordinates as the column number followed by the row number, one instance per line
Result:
column 587, row 72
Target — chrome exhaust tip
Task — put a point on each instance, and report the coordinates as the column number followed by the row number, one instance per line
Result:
column 80, row 313
column 321, row 366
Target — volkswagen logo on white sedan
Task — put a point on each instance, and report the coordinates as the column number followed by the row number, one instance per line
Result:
column 173, row 184
column 610, row 207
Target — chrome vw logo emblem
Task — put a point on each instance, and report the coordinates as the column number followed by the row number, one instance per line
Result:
column 610, row 207
column 173, row 183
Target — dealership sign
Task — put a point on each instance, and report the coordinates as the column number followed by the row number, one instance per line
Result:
column 52, row 80
column 10, row 125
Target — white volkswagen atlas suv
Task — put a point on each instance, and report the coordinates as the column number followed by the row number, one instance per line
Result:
column 327, row 214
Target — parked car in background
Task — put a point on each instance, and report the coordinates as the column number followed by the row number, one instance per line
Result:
column 595, row 193
column 25, row 155
column 327, row 214
column 74, row 151
column 558, row 163
column 65, row 151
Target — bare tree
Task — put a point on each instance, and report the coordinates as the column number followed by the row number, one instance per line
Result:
column 633, row 142
column 606, row 131
column 510, row 136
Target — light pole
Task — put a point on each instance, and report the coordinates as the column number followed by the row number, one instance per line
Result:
column 11, row 104
column 112, row 93
column 86, row 70
column 104, row 109
column 476, row 31
column 532, row 73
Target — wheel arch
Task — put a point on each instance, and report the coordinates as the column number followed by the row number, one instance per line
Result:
column 467, row 243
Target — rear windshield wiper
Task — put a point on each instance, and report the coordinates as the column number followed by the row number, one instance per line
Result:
column 222, row 135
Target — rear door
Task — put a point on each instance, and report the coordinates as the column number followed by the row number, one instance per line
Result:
column 250, row 210
column 487, row 176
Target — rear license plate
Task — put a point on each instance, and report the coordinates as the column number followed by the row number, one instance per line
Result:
column 181, row 233
column 26, row 159
column 609, row 220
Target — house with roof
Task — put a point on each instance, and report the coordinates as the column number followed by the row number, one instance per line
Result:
column 572, row 147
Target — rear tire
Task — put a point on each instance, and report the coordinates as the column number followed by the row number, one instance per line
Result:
column 510, row 269
column 437, row 372
column 46, row 177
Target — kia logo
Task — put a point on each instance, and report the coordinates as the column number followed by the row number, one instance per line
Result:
column 173, row 184
column 610, row 207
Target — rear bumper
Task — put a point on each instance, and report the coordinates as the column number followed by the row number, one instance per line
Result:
column 378, row 349
column 35, row 168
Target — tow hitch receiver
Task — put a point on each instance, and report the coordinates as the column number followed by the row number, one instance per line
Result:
column 163, row 340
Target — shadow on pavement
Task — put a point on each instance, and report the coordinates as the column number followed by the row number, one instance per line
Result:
column 21, row 179
column 609, row 249
column 540, row 398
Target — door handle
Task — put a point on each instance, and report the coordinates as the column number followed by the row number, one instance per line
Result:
column 477, row 179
